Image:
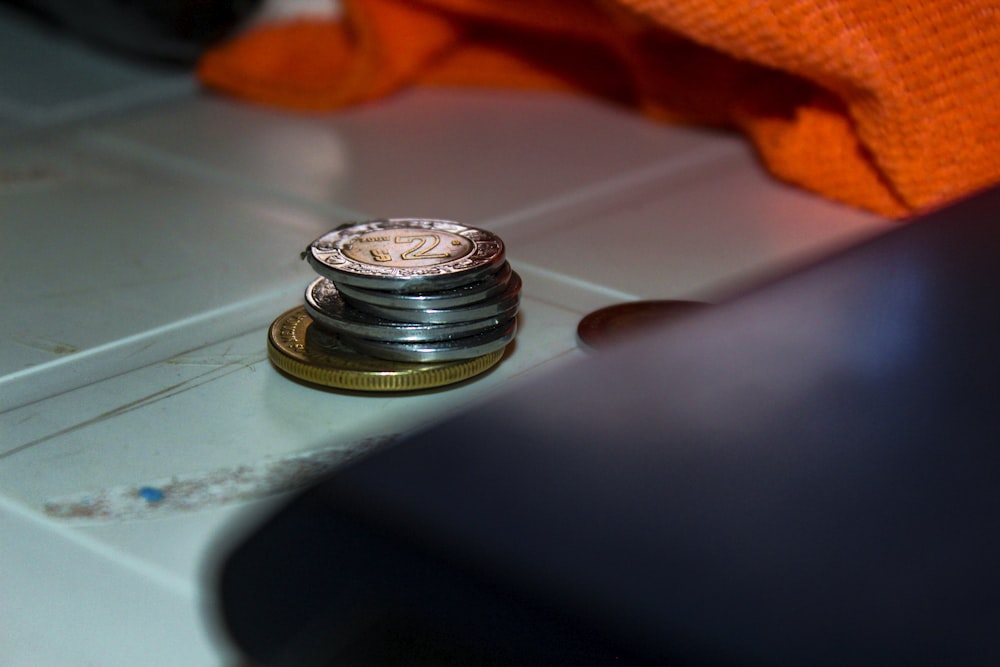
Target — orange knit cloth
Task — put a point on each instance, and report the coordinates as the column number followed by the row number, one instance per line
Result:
column 889, row 106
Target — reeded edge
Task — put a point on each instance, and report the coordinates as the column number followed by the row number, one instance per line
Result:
column 326, row 257
column 448, row 372
column 501, row 306
column 496, row 312
column 438, row 351
column 456, row 297
column 332, row 313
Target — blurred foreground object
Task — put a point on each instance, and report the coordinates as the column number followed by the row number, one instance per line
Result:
column 803, row 475
column 887, row 106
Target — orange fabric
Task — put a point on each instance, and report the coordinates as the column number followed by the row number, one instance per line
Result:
column 888, row 106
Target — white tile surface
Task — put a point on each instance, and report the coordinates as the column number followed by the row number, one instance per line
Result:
column 68, row 599
column 462, row 155
column 700, row 233
column 150, row 235
column 114, row 263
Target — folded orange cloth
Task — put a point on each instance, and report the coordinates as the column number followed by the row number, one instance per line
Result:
column 892, row 107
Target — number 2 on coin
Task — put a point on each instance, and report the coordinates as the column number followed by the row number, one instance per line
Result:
column 418, row 251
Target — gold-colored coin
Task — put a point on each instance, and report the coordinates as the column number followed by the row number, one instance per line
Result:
column 310, row 354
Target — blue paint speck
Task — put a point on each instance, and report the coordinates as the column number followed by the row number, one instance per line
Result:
column 151, row 494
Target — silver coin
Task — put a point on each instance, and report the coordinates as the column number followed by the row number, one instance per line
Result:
column 448, row 350
column 406, row 254
column 455, row 297
column 330, row 312
column 503, row 306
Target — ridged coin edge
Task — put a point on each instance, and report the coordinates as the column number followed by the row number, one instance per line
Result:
column 374, row 381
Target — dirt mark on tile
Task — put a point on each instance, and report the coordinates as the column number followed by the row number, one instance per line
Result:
column 213, row 373
column 45, row 345
column 197, row 491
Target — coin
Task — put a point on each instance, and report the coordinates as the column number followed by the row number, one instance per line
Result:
column 613, row 324
column 502, row 306
column 406, row 254
column 455, row 297
column 325, row 305
column 303, row 351
column 446, row 350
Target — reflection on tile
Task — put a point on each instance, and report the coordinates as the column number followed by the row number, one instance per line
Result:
column 265, row 150
column 699, row 234
column 463, row 155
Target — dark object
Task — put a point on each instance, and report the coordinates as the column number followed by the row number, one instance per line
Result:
column 620, row 322
column 174, row 30
column 807, row 474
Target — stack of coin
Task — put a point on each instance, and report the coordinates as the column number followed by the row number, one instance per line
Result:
column 413, row 291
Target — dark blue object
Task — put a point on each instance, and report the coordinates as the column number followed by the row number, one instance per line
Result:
column 808, row 474
column 151, row 494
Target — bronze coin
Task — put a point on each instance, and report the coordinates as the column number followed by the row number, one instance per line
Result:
column 613, row 324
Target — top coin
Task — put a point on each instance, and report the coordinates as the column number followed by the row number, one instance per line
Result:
column 406, row 254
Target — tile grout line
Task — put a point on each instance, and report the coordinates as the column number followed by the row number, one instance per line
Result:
column 90, row 356
column 617, row 184
column 139, row 403
column 575, row 282
column 192, row 168
column 578, row 195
